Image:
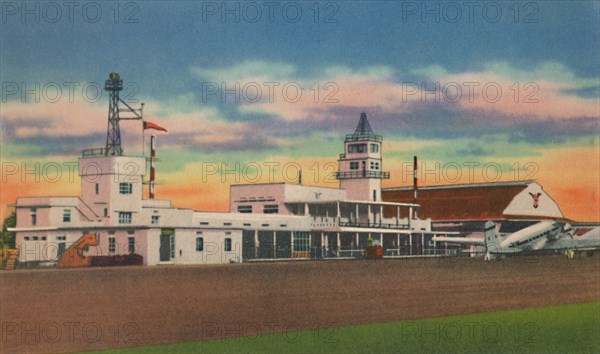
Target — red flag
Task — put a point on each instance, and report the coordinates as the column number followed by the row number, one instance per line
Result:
column 149, row 125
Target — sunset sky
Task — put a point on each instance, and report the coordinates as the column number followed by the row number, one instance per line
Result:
column 498, row 92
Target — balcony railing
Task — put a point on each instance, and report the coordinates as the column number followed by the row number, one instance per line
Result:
column 372, row 225
column 362, row 174
column 363, row 137
column 93, row 152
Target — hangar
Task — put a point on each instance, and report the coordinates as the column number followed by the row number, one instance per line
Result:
column 464, row 208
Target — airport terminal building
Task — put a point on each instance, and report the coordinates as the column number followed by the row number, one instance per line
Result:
column 265, row 221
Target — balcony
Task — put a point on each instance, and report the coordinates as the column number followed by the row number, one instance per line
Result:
column 323, row 221
column 362, row 174
column 363, row 137
column 333, row 222
column 373, row 225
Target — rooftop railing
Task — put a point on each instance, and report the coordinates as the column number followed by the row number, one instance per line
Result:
column 93, row 152
column 363, row 137
column 362, row 174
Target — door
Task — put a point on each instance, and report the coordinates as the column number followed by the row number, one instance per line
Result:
column 249, row 249
column 165, row 248
column 61, row 249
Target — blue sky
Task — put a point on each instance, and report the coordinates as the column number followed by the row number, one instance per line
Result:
column 172, row 35
column 373, row 51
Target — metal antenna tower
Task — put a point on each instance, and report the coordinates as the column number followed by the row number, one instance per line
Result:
column 113, row 137
column 113, row 85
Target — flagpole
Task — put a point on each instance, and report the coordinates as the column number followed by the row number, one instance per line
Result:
column 143, row 132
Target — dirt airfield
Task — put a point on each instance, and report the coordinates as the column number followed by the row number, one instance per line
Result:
column 65, row 310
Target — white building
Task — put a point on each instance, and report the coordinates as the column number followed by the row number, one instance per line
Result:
column 266, row 221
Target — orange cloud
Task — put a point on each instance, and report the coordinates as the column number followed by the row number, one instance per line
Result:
column 541, row 99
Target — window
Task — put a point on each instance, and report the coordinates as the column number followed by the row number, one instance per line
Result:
column 354, row 165
column 61, row 238
column 271, row 209
column 357, row 148
column 155, row 219
column 124, row 217
column 105, row 212
column 301, row 239
column 374, row 148
column 247, row 209
column 43, row 238
column 125, row 188
column 36, row 238
column 374, row 165
column 26, row 238
column 97, row 188
column 131, row 245
column 227, row 244
column 33, row 216
column 112, row 246
column 67, row 215
column 199, row 244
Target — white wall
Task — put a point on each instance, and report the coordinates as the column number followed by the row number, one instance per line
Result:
column 300, row 193
column 523, row 203
column 185, row 247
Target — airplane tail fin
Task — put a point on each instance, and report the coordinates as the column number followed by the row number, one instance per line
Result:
column 491, row 239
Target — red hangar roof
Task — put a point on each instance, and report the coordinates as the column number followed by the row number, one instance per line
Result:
column 478, row 201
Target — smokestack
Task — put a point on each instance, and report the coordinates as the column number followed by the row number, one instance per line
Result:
column 152, row 158
column 415, row 184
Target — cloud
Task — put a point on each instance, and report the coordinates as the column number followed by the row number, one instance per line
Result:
column 247, row 71
column 547, row 91
column 60, row 119
column 433, row 101
column 330, row 100
column 67, row 127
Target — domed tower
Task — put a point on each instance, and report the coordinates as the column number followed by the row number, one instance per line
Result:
column 360, row 166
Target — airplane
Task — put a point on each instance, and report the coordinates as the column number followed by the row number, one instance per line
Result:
column 544, row 236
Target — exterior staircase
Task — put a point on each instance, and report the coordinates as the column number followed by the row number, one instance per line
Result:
column 12, row 257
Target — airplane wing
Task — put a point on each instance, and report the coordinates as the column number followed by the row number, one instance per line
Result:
column 466, row 240
column 588, row 240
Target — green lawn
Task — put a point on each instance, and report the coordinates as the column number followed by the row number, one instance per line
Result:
column 567, row 328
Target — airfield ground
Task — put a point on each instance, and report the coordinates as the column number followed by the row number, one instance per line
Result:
column 56, row 310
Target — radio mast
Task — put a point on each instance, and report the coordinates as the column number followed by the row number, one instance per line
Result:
column 114, row 85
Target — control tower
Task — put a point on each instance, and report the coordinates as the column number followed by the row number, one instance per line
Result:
column 360, row 165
